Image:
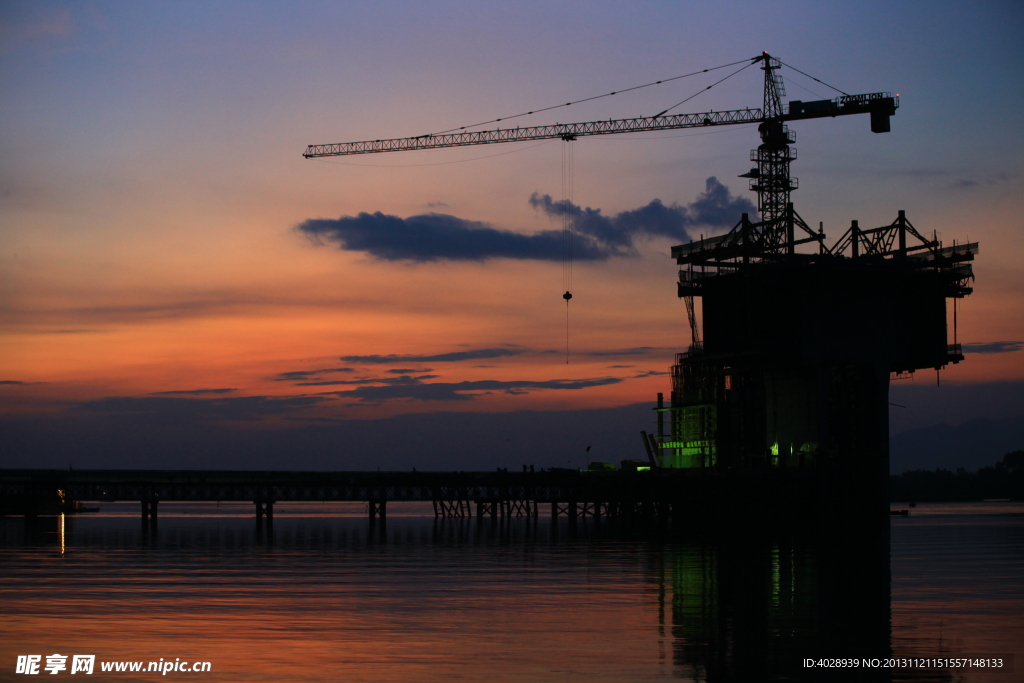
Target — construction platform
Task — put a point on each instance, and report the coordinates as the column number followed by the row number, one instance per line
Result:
column 793, row 367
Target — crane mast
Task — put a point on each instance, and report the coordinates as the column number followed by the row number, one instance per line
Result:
column 771, row 179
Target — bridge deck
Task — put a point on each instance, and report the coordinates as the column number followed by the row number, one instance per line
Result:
column 23, row 491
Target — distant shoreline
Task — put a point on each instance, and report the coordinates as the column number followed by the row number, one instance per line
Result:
column 1003, row 481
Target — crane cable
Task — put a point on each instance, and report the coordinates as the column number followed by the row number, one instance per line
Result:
column 595, row 97
column 568, row 218
column 660, row 114
column 702, row 91
column 841, row 92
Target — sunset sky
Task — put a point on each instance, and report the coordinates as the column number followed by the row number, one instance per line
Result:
column 161, row 260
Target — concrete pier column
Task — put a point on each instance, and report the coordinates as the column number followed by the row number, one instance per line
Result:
column 378, row 508
column 149, row 506
column 264, row 509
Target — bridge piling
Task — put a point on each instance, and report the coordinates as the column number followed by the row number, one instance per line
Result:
column 264, row 509
column 459, row 507
column 570, row 509
column 149, row 506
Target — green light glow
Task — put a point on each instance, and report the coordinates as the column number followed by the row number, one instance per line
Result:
column 692, row 443
column 695, row 445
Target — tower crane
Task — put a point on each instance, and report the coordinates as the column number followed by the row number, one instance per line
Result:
column 770, row 179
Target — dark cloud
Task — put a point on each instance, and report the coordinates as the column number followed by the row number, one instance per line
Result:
column 306, row 374
column 12, row 381
column 365, row 380
column 436, row 236
column 307, row 420
column 993, row 347
column 159, row 305
column 635, row 351
column 228, row 408
column 333, row 382
column 406, row 371
column 715, row 208
column 193, row 392
column 994, row 179
column 649, row 373
column 951, row 177
column 413, row 388
column 453, row 356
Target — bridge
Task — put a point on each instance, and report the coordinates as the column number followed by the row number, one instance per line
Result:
column 572, row 493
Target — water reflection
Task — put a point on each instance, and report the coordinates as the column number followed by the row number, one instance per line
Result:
column 424, row 599
column 749, row 604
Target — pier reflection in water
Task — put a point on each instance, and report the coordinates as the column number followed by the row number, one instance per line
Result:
column 316, row 597
column 751, row 604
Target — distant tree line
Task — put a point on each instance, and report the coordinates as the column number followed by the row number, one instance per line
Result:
column 1005, row 479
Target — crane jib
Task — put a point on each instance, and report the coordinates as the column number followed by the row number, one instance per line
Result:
column 609, row 127
column 882, row 104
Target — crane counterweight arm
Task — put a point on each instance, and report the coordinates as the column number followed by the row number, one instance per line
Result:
column 880, row 105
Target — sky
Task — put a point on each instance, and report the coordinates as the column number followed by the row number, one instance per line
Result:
column 174, row 274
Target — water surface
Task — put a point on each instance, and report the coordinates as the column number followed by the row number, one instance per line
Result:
column 323, row 595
